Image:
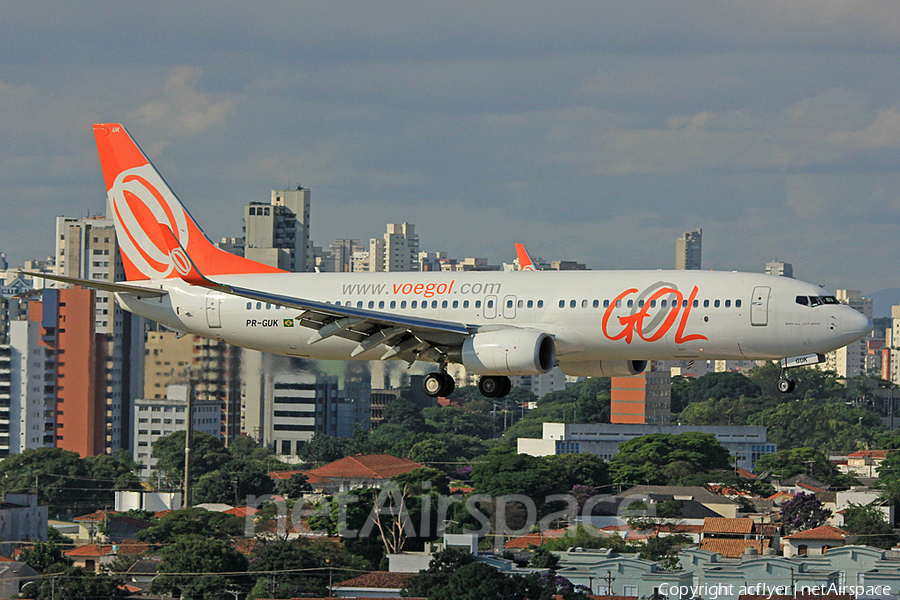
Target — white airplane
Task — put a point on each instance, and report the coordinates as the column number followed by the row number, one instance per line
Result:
column 496, row 324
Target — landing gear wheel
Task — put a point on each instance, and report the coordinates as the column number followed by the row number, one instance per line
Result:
column 494, row 386
column 785, row 385
column 438, row 384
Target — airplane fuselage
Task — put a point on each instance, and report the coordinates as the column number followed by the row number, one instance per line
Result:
column 591, row 315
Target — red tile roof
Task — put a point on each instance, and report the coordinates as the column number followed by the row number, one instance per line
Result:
column 823, row 532
column 871, row 453
column 377, row 580
column 534, row 539
column 94, row 517
column 745, row 473
column 809, row 487
column 732, row 548
column 241, row 511
column 725, row 525
column 366, row 466
column 90, row 550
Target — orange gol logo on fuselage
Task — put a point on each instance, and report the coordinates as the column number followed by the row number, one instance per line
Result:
column 636, row 322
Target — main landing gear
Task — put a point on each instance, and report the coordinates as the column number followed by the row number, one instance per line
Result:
column 438, row 384
column 441, row 384
column 494, row 386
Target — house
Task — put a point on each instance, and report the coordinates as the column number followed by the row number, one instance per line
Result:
column 142, row 573
column 654, row 495
column 732, row 537
column 13, row 575
column 815, row 541
column 21, row 519
column 606, row 573
column 91, row 556
column 378, row 584
column 352, row 472
column 864, row 463
column 117, row 527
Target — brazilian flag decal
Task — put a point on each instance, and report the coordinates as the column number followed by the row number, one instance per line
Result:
column 288, row 322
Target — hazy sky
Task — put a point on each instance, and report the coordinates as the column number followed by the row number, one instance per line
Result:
column 591, row 131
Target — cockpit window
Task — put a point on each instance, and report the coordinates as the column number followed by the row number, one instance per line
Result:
column 813, row 301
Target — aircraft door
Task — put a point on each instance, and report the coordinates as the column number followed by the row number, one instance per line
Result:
column 214, row 309
column 509, row 307
column 759, row 306
column 490, row 307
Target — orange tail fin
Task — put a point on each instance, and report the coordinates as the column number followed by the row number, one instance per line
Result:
column 140, row 202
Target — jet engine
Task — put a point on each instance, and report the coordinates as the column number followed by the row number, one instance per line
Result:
column 604, row 368
column 506, row 352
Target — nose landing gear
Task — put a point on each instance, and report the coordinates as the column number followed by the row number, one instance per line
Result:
column 785, row 383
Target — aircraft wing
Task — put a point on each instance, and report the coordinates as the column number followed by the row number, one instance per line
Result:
column 121, row 288
column 407, row 337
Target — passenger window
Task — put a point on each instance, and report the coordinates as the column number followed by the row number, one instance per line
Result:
column 268, row 306
column 249, row 305
column 415, row 304
column 258, row 305
column 630, row 303
column 540, row 304
column 662, row 304
column 571, row 304
column 403, row 304
column 478, row 304
column 653, row 303
column 696, row 303
column 393, row 304
column 490, row 304
column 562, row 303
column 531, row 304
column 606, row 304
column 706, row 304
column 584, row 303
column 371, row 304
column 456, row 304
column 618, row 304
column 509, row 304
column 716, row 303
column 728, row 304
column 434, row 304
column 640, row 304
column 737, row 303
column 596, row 304
column 520, row 304
column 465, row 304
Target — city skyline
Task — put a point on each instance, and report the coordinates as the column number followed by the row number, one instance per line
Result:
column 598, row 134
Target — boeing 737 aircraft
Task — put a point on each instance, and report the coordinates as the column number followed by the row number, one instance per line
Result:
column 496, row 324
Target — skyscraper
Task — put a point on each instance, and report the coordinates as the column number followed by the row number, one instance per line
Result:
column 687, row 250
column 86, row 248
column 277, row 233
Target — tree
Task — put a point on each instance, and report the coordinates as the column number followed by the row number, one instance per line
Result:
column 198, row 554
column 542, row 558
column 803, row 511
column 660, row 459
column 294, row 486
column 207, row 454
column 237, row 479
column 45, row 557
column 192, row 521
column 787, row 463
column 405, row 413
column 727, row 384
column 828, row 425
column 869, row 526
column 76, row 582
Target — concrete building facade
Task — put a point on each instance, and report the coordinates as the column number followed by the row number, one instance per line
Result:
column 603, row 439
column 688, row 250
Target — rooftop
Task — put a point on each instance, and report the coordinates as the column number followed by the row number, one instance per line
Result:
column 823, row 532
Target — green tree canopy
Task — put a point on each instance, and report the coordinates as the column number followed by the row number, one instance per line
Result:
column 869, row 526
column 661, row 459
column 199, row 554
column 207, row 454
column 192, row 521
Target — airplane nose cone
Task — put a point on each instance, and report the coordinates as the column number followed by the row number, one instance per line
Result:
column 855, row 325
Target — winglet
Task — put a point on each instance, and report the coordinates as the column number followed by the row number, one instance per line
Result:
column 183, row 264
column 525, row 263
